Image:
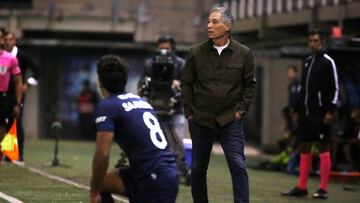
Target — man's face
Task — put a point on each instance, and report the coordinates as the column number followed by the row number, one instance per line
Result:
column 315, row 43
column 165, row 45
column 216, row 27
column 9, row 42
column 291, row 74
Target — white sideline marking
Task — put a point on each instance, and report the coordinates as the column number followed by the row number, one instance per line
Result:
column 9, row 198
column 66, row 181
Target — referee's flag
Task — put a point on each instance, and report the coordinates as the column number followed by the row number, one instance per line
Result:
column 9, row 145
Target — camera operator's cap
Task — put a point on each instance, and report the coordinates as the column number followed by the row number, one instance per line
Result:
column 167, row 38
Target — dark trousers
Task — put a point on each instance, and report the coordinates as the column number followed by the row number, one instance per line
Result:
column 231, row 138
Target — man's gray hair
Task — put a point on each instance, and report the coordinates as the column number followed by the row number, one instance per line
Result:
column 225, row 14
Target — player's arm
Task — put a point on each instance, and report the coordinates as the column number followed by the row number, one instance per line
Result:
column 29, row 63
column 331, row 93
column 17, row 79
column 249, row 85
column 187, row 85
column 19, row 93
column 100, row 160
column 18, row 88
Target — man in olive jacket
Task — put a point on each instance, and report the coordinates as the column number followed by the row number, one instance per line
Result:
column 218, row 87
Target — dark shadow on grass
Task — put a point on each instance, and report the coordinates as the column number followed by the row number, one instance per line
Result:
column 50, row 165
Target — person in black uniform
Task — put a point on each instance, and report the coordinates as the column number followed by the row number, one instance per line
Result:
column 315, row 114
column 132, row 123
column 25, row 63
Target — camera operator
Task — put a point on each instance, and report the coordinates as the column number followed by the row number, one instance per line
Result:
column 160, row 86
column 166, row 54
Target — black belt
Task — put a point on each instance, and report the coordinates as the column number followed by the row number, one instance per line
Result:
column 3, row 94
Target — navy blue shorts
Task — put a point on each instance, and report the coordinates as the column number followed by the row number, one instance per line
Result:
column 161, row 186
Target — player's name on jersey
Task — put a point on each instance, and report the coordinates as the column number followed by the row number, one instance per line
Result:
column 128, row 96
column 131, row 105
column 138, row 104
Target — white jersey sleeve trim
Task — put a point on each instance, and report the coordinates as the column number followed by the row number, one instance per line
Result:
column 336, row 96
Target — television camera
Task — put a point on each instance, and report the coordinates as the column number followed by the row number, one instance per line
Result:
column 156, row 88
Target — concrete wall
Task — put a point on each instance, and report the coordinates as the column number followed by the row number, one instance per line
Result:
column 274, row 97
column 323, row 17
column 164, row 17
column 31, row 113
column 145, row 19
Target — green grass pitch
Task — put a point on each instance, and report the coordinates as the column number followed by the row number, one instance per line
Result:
column 75, row 164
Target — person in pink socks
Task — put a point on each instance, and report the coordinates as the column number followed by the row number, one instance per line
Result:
column 315, row 114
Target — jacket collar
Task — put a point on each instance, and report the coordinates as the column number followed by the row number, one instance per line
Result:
column 231, row 45
column 320, row 53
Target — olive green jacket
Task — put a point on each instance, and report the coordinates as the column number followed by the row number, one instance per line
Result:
column 215, row 86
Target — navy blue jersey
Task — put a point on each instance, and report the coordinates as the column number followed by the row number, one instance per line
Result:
column 137, row 131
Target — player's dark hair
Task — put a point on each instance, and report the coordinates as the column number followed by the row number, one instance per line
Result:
column 113, row 72
column 317, row 32
column 166, row 38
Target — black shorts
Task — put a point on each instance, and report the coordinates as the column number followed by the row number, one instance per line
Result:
column 4, row 107
column 313, row 129
column 161, row 186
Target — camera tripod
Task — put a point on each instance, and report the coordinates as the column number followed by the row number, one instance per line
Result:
column 176, row 146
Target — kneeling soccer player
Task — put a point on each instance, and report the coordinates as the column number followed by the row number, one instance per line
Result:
column 131, row 122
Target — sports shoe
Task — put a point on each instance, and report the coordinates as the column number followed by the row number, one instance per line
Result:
column 320, row 194
column 19, row 163
column 296, row 192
